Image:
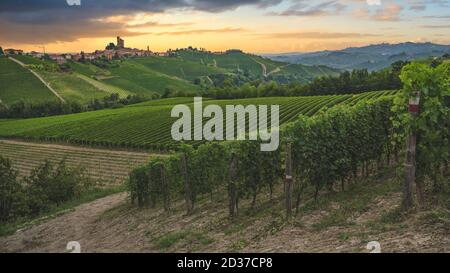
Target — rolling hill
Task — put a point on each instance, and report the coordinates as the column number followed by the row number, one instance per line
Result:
column 189, row 71
column 373, row 57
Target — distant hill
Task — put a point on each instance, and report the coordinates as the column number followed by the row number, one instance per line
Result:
column 188, row 71
column 373, row 57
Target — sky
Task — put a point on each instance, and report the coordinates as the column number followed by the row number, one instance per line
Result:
column 257, row 26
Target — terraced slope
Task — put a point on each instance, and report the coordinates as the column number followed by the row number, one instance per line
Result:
column 148, row 125
column 17, row 83
column 110, row 167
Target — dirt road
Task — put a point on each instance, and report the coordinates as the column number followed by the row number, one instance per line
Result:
column 53, row 235
column 111, row 224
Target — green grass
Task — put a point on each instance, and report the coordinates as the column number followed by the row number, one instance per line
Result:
column 17, row 83
column 146, row 125
column 350, row 206
column 177, row 67
column 72, row 88
column 186, row 236
column 109, row 89
column 139, row 79
column 9, row 228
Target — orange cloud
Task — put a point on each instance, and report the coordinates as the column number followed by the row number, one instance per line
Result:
column 390, row 13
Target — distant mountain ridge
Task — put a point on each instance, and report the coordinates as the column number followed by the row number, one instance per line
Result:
column 372, row 57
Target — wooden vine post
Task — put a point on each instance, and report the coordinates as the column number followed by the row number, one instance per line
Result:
column 232, row 191
column 410, row 163
column 165, row 189
column 288, row 185
column 187, row 185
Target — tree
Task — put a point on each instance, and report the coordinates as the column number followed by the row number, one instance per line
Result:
column 1, row 51
column 110, row 46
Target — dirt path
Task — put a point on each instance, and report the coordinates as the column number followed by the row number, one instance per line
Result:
column 40, row 78
column 264, row 69
column 112, row 225
column 54, row 234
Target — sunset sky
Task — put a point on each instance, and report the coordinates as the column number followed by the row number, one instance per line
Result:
column 259, row 26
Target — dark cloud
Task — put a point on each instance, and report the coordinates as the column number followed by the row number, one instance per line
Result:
column 157, row 24
column 304, row 8
column 314, row 35
column 31, row 21
column 201, row 31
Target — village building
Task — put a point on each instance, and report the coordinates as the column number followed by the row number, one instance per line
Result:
column 36, row 54
column 112, row 51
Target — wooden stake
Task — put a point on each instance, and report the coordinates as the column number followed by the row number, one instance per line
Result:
column 288, row 181
column 410, row 163
column 165, row 189
column 410, row 172
column 232, row 191
column 187, row 186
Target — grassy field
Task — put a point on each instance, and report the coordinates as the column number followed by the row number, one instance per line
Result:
column 17, row 83
column 148, row 125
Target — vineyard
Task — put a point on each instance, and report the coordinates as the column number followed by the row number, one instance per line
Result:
column 148, row 126
column 17, row 83
column 326, row 151
column 108, row 167
column 349, row 138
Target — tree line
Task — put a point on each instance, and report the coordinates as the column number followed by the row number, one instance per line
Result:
column 26, row 109
column 354, row 82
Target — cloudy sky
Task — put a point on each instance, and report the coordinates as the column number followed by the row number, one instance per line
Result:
column 252, row 25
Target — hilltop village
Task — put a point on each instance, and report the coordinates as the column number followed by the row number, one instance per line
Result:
column 112, row 51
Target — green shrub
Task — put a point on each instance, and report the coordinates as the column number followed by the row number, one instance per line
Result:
column 47, row 186
column 11, row 193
